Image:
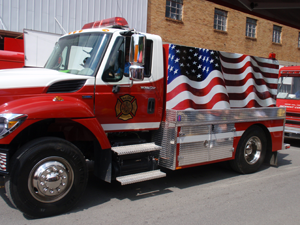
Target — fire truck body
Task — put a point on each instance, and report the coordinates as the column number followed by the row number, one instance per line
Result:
column 85, row 106
column 288, row 96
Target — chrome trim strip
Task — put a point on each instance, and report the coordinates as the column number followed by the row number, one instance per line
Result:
column 130, row 126
column 197, row 138
column 274, row 129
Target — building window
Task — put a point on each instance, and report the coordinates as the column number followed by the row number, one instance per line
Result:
column 174, row 9
column 251, row 28
column 276, row 34
column 220, row 19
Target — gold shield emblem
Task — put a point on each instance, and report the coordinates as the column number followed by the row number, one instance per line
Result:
column 126, row 107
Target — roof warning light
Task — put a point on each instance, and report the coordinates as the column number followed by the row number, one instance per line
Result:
column 115, row 22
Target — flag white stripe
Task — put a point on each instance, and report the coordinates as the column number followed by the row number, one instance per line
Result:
column 250, row 82
column 194, row 84
column 242, row 76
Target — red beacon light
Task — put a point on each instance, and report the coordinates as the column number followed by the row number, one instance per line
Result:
column 115, row 22
column 272, row 56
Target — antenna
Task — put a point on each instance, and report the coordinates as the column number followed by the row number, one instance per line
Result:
column 119, row 8
column 4, row 28
column 61, row 27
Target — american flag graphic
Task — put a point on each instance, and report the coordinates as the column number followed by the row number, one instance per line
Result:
column 205, row 79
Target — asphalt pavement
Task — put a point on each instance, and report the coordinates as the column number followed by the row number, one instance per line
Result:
column 212, row 194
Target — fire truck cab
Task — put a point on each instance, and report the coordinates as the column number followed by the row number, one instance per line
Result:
column 289, row 97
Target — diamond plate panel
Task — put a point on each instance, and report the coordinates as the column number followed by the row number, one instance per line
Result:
column 140, row 177
column 206, row 135
column 211, row 142
column 166, row 137
column 133, row 149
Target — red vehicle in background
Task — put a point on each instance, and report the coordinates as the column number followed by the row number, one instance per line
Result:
column 28, row 49
column 289, row 96
column 12, row 50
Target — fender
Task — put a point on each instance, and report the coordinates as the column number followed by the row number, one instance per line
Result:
column 44, row 107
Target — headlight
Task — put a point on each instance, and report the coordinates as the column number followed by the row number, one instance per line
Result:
column 9, row 122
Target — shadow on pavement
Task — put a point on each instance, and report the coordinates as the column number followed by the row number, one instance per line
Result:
column 99, row 192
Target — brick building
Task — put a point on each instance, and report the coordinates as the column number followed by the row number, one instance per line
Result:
column 214, row 26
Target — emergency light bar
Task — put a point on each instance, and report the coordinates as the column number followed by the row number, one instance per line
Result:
column 111, row 22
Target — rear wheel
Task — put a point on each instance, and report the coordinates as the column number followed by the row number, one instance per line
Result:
column 251, row 151
column 48, row 176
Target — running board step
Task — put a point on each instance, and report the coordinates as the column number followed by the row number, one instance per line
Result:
column 138, row 148
column 140, row 177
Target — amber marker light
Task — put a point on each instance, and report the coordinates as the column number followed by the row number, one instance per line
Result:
column 58, row 99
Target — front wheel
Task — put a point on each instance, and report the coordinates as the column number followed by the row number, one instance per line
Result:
column 48, row 176
column 251, row 151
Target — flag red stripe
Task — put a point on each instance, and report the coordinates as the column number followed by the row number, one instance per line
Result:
column 240, row 59
column 241, row 96
column 232, row 60
column 188, row 103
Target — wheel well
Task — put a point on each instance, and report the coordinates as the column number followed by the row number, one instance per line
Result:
column 66, row 129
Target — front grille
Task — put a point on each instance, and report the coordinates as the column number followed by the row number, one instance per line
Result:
column 66, row 86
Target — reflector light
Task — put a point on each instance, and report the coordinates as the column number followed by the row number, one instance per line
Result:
column 111, row 22
column 3, row 162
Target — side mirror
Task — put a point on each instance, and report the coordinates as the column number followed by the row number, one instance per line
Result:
column 136, row 73
column 137, row 57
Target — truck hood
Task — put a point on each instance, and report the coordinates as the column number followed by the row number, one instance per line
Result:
column 33, row 78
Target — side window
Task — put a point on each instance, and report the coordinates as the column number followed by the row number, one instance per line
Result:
column 148, row 58
column 118, row 63
column 114, row 69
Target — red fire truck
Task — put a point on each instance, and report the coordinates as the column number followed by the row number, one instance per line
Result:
column 11, row 50
column 30, row 48
column 288, row 96
column 124, row 102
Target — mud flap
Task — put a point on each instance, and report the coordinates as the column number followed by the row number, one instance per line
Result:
column 271, row 158
column 103, row 164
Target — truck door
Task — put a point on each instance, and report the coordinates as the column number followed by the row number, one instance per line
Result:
column 119, row 107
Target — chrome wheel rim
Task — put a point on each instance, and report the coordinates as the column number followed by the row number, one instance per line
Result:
column 252, row 151
column 50, row 179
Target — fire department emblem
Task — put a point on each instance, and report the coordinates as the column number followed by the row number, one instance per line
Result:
column 126, row 107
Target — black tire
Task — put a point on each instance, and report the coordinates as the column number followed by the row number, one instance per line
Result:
column 251, row 151
column 48, row 176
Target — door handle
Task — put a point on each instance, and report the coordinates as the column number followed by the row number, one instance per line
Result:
column 151, row 105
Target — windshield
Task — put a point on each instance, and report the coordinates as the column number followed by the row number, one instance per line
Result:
column 289, row 87
column 78, row 54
